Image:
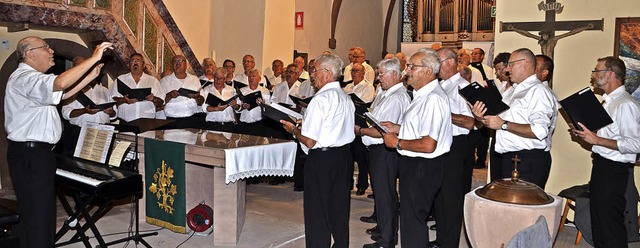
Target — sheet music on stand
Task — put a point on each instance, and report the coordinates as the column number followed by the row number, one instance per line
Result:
column 94, row 142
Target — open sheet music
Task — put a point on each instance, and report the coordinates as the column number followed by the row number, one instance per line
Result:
column 94, row 142
column 585, row 108
column 278, row 113
column 375, row 123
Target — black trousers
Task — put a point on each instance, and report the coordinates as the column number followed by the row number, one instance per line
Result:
column 384, row 176
column 255, row 128
column 495, row 161
column 534, row 165
column 420, row 180
column 359, row 153
column 196, row 121
column 327, row 197
column 479, row 140
column 33, row 171
column 607, row 195
column 450, row 199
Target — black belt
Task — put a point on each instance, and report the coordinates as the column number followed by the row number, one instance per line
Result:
column 326, row 149
column 596, row 156
column 32, row 144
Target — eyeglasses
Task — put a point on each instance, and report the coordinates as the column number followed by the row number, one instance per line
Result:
column 357, row 56
column 248, row 61
column 289, row 71
column 594, row 71
column 355, row 70
column 410, row 66
column 511, row 63
column 313, row 70
column 229, row 66
column 46, row 47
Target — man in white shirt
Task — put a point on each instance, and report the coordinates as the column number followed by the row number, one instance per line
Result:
column 422, row 140
column 130, row 109
column 505, row 87
column 615, row 150
column 389, row 105
column 221, row 117
column 324, row 134
column 77, row 114
column 209, row 66
column 251, row 118
column 544, row 69
column 278, row 68
column 230, row 67
column 522, row 131
column 359, row 57
column 33, row 128
column 364, row 90
column 464, row 58
column 299, row 62
column 185, row 110
column 291, row 86
column 456, row 181
column 248, row 64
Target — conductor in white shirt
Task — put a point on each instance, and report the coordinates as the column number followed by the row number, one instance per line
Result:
column 33, row 127
column 324, row 133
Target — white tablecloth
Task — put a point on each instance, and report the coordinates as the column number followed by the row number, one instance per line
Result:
column 261, row 160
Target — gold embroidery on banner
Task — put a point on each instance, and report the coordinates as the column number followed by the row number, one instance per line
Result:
column 163, row 188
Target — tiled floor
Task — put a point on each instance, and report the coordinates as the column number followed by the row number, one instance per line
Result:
column 274, row 219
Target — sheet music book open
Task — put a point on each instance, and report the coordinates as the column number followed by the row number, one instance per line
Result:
column 375, row 123
column 94, row 142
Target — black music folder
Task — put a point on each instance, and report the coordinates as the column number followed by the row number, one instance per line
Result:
column 277, row 113
column 86, row 101
column 213, row 100
column 374, row 123
column 205, row 83
column 491, row 84
column 286, row 105
column 299, row 100
column 238, row 85
column 251, row 99
column 584, row 107
column 185, row 92
column 359, row 103
column 475, row 92
column 140, row 94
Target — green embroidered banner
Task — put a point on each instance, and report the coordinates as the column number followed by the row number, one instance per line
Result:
column 165, row 184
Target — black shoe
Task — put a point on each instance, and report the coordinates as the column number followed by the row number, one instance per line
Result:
column 433, row 228
column 372, row 245
column 378, row 237
column 368, row 219
column 433, row 244
column 372, row 231
column 360, row 191
column 298, row 189
column 370, row 196
column 430, row 218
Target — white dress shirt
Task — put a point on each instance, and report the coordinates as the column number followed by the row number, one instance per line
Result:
column 180, row 106
column 329, row 119
column 457, row 103
column 30, row 106
column 306, row 89
column 276, row 80
column 428, row 115
column 99, row 95
column 255, row 114
column 241, row 77
column 625, row 129
column 226, row 115
column 530, row 103
column 140, row 109
column 282, row 91
column 369, row 73
column 304, row 75
column 389, row 106
column 363, row 90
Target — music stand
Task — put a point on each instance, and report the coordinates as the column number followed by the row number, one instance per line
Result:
column 136, row 127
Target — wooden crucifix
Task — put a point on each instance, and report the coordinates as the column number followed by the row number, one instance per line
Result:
column 547, row 38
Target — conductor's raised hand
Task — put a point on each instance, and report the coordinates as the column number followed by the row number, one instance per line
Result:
column 100, row 49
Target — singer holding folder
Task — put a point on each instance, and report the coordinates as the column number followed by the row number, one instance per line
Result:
column 615, row 150
column 130, row 109
column 524, row 129
column 33, row 127
column 220, row 117
column 183, row 100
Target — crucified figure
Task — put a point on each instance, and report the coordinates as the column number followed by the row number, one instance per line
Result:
column 547, row 39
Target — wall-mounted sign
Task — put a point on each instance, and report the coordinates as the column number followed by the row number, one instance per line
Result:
column 299, row 20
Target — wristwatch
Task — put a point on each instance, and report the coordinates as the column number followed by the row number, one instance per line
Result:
column 505, row 125
column 398, row 147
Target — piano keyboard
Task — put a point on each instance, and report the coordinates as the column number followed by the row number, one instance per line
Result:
column 77, row 177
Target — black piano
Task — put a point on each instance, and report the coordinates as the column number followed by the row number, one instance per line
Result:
column 91, row 185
